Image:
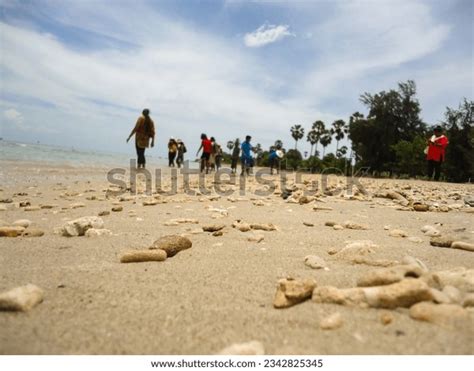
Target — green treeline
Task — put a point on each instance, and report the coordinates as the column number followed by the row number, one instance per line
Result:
column 388, row 140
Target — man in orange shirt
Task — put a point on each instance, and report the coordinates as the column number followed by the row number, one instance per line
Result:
column 144, row 130
column 436, row 152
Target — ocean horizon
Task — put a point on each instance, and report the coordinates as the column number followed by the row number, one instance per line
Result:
column 69, row 156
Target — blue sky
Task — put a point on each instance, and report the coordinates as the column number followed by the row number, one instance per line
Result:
column 78, row 73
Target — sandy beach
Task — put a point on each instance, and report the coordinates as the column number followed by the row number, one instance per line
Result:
column 221, row 291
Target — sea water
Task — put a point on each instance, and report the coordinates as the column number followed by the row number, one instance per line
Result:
column 56, row 155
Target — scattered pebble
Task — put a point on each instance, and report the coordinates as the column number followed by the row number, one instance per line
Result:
column 453, row 294
column 469, row 200
column 79, row 226
column 439, row 297
column 322, row 208
column 213, row 227
column 172, row 244
column 77, row 205
column 137, row 256
column 331, row 322
column 290, row 292
column 25, row 223
column 97, row 232
column 33, row 232
column 430, row 231
column 11, row 231
column 358, row 259
column 441, row 241
column 357, row 248
column 252, row 348
column 397, row 233
column 387, row 318
column 352, row 225
column 241, row 226
column 446, row 315
column 461, row 278
column 388, row 276
column 401, row 294
column 263, row 227
column 32, row 208
column 468, row 300
column 421, row 207
column 256, row 238
column 410, row 260
column 415, row 239
column 21, row 299
column 315, row 262
column 463, row 245
column 47, row 206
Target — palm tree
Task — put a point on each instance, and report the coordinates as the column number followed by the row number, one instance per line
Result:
column 339, row 128
column 230, row 145
column 297, row 132
column 278, row 144
column 341, row 152
column 313, row 138
column 258, row 148
column 319, row 129
column 326, row 139
column 356, row 116
column 258, row 151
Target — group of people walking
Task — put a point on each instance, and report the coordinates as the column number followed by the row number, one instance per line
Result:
column 211, row 158
column 212, row 154
column 176, row 150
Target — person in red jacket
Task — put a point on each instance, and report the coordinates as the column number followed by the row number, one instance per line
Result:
column 436, row 152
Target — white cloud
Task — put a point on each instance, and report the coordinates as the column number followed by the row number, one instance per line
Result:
column 13, row 116
column 363, row 47
column 191, row 82
column 266, row 34
column 195, row 81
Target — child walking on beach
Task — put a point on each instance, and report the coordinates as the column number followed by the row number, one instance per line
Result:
column 144, row 130
column 181, row 151
column 235, row 155
column 172, row 151
column 219, row 155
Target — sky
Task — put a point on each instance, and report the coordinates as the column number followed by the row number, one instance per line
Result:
column 79, row 73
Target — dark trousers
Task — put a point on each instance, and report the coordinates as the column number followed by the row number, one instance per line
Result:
column 234, row 163
column 140, row 155
column 434, row 167
column 180, row 159
column 171, row 157
column 275, row 164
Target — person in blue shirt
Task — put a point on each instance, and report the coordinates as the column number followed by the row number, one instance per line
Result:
column 274, row 160
column 246, row 158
